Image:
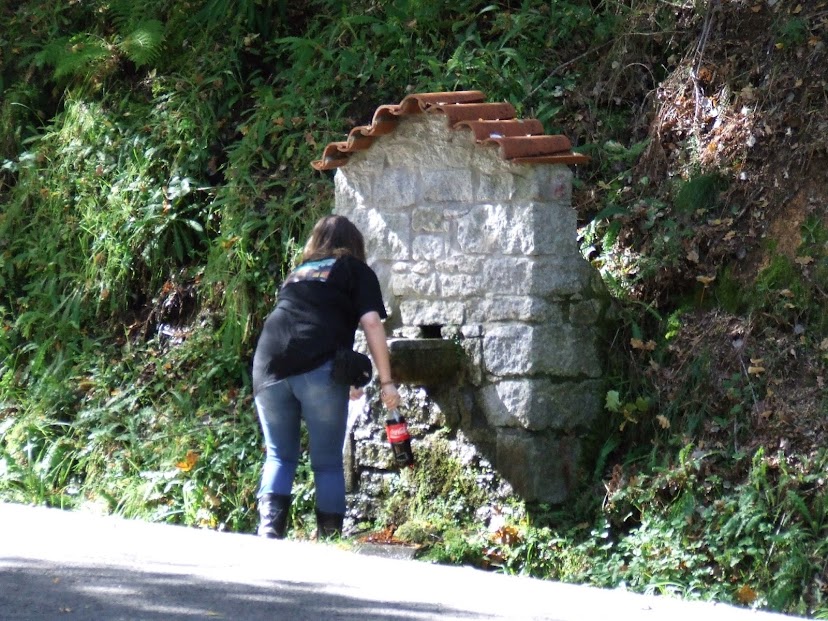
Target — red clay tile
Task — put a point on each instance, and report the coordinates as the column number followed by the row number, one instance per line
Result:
column 530, row 146
column 475, row 112
column 563, row 158
column 420, row 102
column 357, row 141
column 384, row 122
column 499, row 129
column 520, row 140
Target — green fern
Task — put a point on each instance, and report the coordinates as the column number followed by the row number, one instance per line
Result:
column 73, row 55
column 143, row 45
column 140, row 34
column 125, row 14
column 79, row 54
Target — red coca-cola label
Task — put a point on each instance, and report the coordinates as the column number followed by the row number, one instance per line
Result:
column 397, row 432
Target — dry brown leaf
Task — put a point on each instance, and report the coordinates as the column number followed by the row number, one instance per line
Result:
column 756, row 370
column 720, row 221
column 804, row 260
column 507, row 535
column 189, row 461
column 705, row 280
column 663, row 422
column 228, row 243
column 745, row 594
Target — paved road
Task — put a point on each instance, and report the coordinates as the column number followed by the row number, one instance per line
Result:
column 67, row 566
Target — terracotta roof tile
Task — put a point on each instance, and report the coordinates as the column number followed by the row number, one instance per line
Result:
column 519, row 140
column 498, row 129
column 475, row 112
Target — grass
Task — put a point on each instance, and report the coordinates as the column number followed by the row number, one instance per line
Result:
column 155, row 185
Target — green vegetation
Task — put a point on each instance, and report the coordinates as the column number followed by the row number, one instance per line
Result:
column 155, row 185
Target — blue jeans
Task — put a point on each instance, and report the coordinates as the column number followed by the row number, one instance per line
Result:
column 323, row 404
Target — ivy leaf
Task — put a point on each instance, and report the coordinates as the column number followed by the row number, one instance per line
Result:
column 613, row 402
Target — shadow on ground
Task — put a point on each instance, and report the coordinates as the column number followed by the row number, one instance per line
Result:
column 31, row 590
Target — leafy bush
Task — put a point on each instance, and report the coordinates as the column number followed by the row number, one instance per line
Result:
column 155, row 187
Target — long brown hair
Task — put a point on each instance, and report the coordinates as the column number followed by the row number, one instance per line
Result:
column 334, row 236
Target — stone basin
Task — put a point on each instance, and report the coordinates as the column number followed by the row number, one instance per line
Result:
column 423, row 361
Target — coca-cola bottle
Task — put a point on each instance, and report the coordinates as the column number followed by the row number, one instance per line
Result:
column 398, row 437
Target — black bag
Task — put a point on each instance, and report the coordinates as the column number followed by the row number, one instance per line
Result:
column 352, row 368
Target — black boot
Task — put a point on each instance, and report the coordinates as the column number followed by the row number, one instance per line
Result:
column 274, row 510
column 328, row 524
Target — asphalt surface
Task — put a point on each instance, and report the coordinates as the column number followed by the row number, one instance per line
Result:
column 59, row 565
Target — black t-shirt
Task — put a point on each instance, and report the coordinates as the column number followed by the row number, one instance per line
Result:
column 317, row 313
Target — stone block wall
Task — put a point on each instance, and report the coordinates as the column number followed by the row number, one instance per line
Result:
column 471, row 247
